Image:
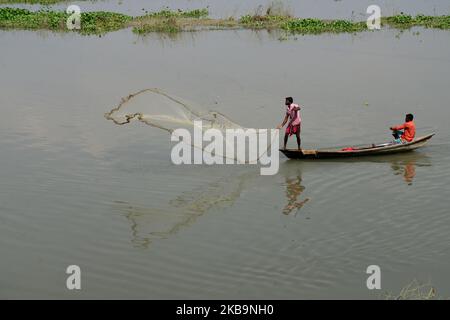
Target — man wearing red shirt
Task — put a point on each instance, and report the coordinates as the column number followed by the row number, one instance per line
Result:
column 406, row 132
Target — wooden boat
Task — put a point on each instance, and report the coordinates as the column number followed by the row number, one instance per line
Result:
column 357, row 151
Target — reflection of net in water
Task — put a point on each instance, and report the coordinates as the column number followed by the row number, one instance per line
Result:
column 160, row 110
column 160, row 222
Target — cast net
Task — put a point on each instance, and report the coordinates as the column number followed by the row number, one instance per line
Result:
column 158, row 109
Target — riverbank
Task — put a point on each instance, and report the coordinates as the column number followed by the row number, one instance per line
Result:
column 166, row 21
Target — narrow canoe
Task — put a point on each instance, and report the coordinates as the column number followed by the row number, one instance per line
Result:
column 359, row 151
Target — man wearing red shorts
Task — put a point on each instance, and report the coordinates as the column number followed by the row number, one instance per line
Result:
column 295, row 121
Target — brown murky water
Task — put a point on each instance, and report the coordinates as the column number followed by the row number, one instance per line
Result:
column 77, row 189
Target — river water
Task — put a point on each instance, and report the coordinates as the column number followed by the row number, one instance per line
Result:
column 77, row 189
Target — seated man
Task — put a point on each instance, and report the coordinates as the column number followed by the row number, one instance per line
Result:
column 406, row 132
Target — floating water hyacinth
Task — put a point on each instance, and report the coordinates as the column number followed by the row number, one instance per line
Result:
column 172, row 21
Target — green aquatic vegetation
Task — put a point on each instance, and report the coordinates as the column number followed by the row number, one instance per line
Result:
column 101, row 22
column 400, row 21
column 197, row 13
column 167, row 21
column 91, row 22
column 266, row 21
column 315, row 26
column 25, row 19
column 267, row 18
column 168, row 25
column 439, row 22
column 346, row 26
column 403, row 21
column 303, row 25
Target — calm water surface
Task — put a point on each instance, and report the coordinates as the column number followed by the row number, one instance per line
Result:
column 77, row 189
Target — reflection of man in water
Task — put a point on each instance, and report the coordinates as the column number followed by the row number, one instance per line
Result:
column 294, row 189
column 409, row 171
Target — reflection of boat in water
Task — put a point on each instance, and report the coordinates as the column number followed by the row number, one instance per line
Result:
column 165, row 218
column 403, row 165
column 357, row 151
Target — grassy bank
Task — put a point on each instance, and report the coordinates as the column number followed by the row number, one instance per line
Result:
column 176, row 21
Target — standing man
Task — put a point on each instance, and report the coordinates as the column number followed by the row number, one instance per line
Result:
column 293, row 115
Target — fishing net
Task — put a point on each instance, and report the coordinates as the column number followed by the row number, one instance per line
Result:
column 160, row 110
column 152, row 223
